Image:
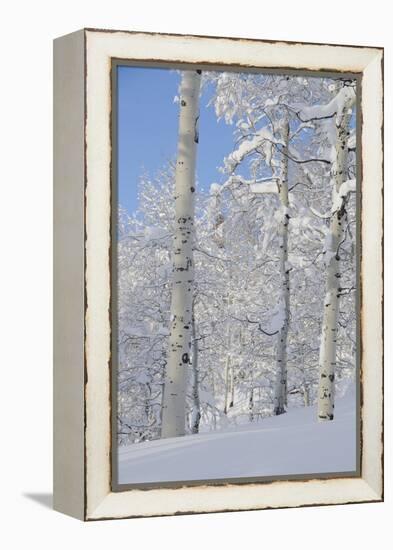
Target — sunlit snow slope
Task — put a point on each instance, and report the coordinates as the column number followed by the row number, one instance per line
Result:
column 293, row 443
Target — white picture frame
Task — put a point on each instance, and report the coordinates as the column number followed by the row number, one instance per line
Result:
column 82, row 334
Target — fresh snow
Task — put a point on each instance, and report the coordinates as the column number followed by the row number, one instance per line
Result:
column 260, row 138
column 289, row 444
column 346, row 187
column 269, row 186
column 154, row 232
column 277, row 316
column 215, row 188
column 346, row 96
column 263, row 185
column 352, row 139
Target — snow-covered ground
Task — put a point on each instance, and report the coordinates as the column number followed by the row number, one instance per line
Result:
column 293, row 443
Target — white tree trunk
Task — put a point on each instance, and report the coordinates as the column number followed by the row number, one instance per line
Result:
column 229, row 363
column 213, row 409
column 306, row 395
column 327, row 353
column 229, row 374
column 280, row 386
column 232, row 383
column 228, row 398
column 196, row 402
column 251, row 398
column 174, row 399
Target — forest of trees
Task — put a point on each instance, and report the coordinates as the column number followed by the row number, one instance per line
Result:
column 237, row 303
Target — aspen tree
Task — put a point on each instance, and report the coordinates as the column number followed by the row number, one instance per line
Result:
column 196, row 402
column 328, row 346
column 280, row 387
column 180, row 338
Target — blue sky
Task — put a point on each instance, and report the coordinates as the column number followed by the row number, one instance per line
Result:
column 148, row 125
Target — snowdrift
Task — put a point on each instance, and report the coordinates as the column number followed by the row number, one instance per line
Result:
column 293, row 443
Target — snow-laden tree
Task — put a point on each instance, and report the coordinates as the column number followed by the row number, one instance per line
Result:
column 339, row 113
column 260, row 245
column 180, row 336
column 235, row 272
column 286, row 120
column 266, row 111
column 143, row 275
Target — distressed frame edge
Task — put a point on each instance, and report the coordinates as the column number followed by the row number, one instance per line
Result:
column 374, row 485
column 115, row 486
column 69, row 278
column 372, row 274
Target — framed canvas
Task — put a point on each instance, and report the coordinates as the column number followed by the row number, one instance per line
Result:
column 218, row 332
